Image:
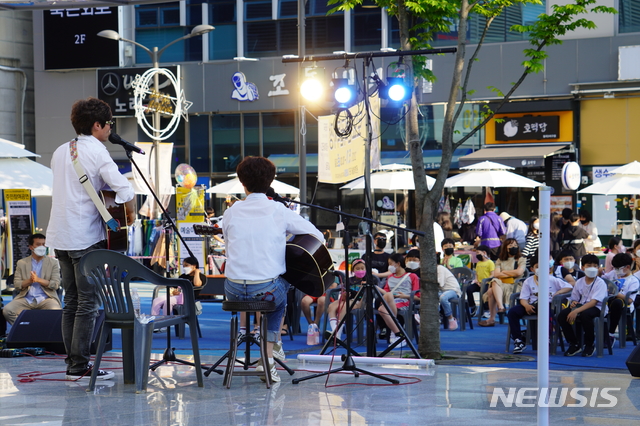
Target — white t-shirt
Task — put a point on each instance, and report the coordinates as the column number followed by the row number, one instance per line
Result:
column 530, row 288
column 583, row 293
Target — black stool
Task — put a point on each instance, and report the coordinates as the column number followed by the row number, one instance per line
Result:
column 231, row 356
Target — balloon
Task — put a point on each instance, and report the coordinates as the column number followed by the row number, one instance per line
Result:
column 186, row 176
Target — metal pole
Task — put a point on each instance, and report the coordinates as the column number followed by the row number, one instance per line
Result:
column 156, row 125
column 543, row 305
column 302, row 150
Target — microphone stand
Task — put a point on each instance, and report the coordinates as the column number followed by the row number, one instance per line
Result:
column 169, row 354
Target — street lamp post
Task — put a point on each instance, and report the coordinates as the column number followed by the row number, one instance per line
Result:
column 155, row 55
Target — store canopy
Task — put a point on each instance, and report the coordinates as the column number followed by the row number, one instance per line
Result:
column 517, row 156
column 22, row 173
column 68, row 4
column 489, row 174
column 234, row 186
column 625, row 180
column 10, row 149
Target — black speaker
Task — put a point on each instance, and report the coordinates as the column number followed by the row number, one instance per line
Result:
column 42, row 328
column 633, row 362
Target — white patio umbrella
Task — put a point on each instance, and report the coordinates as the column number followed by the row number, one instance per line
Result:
column 488, row 173
column 10, row 149
column 391, row 177
column 626, row 180
column 22, row 173
column 234, row 186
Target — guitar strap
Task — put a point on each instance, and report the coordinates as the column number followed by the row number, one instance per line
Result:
column 84, row 180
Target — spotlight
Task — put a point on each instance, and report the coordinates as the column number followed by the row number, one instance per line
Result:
column 311, row 89
column 344, row 94
column 396, row 90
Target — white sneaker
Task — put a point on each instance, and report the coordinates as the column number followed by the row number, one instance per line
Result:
column 272, row 370
column 393, row 338
column 278, row 352
column 486, row 315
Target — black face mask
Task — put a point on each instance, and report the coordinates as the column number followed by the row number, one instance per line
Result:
column 448, row 251
column 513, row 251
column 479, row 257
column 381, row 243
column 584, row 222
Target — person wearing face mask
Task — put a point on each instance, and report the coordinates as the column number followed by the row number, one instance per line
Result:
column 573, row 237
column 509, row 268
column 191, row 272
column 592, row 243
column 533, row 240
column 412, row 261
column 626, row 283
column 449, row 259
column 337, row 309
column 615, row 246
column 585, row 303
column 567, row 270
column 37, row 278
column 484, row 269
column 529, row 302
column 379, row 258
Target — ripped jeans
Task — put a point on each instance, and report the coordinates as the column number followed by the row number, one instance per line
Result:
column 275, row 291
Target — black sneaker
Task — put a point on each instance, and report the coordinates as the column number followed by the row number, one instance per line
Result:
column 474, row 311
column 588, row 350
column 573, row 350
column 612, row 341
column 518, row 346
column 86, row 374
column 384, row 334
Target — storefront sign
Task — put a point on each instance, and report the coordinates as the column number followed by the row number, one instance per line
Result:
column 571, row 175
column 528, row 127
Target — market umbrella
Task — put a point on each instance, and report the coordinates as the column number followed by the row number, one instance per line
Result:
column 22, row 173
column 10, row 149
column 391, row 177
column 490, row 174
column 626, row 180
column 234, row 186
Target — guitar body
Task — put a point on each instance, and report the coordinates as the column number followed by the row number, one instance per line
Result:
column 309, row 265
column 116, row 240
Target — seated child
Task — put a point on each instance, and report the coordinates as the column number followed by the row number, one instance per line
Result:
column 529, row 301
column 337, row 309
column 626, row 282
column 191, row 273
column 449, row 259
column 566, row 269
column 484, row 269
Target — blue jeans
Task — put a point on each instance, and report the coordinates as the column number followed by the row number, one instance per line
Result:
column 81, row 303
column 444, row 301
column 274, row 291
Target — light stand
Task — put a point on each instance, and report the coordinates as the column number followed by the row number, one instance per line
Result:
column 169, row 354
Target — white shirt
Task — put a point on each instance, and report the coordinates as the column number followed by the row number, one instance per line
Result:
column 517, row 230
column 530, row 288
column 447, row 281
column 75, row 222
column 626, row 285
column 583, row 293
column 255, row 234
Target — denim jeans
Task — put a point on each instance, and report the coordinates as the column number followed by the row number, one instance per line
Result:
column 275, row 291
column 81, row 303
column 444, row 301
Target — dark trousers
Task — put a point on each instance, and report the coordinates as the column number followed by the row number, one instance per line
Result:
column 616, row 308
column 585, row 320
column 515, row 314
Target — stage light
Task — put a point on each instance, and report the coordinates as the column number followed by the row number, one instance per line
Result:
column 397, row 90
column 311, row 89
column 344, row 94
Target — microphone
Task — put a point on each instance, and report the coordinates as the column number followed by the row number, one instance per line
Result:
column 271, row 193
column 115, row 139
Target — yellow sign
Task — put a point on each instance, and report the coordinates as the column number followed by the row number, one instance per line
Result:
column 190, row 204
column 341, row 159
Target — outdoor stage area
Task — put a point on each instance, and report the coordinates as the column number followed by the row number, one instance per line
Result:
column 459, row 389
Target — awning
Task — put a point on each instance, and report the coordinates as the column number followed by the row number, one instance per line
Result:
column 515, row 156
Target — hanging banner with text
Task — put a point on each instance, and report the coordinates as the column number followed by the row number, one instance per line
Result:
column 341, row 159
column 17, row 203
column 190, row 208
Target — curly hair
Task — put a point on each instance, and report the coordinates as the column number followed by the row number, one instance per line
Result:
column 85, row 112
column 256, row 173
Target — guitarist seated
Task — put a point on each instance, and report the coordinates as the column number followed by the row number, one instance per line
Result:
column 255, row 232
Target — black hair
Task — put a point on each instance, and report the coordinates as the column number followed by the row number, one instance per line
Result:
column 191, row 261
column 413, row 253
column 614, row 241
column 574, row 217
column 564, row 253
column 256, row 173
column 85, row 112
column 566, row 213
column 484, row 248
column 33, row 237
column 622, row 259
column 586, row 214
column 398, row 258
column 447, row 241
column 489, row 207
column 590, row 259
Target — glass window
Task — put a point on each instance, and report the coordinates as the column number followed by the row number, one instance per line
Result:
column 366, row 29
column 278, row 133
column 225, row 142
column 199, row 143
column 324, row 34
column 628, row 16
column 251, row 124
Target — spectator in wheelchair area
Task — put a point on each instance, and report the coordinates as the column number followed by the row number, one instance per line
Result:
column 397, row 293
column 566, row 268
column 626, row 283
column 529, row 301
column 585, row 304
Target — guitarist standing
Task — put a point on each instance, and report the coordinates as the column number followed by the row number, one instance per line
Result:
column 76, row 226
column 255, row 232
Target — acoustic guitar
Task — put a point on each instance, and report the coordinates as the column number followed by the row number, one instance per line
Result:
column 117, row 240
column 309, row 264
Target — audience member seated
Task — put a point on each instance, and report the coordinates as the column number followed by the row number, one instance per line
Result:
column 337, row 308
column 412, row 261
column 37, row 278
column 567, row 269
column 585, row 303
column 397, row 292
column 510, row 267
column 190, row 272
column 626, row 283
column 529, row 301
column 449, row 259
column 484, row 269
column 449, row 288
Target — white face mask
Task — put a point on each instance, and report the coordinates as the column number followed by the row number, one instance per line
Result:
column 591, row 272
column 40, row 251
column 620, row 272
column 536, row 225
column 535, row 271
column 392, row 269
column 622, row 249
column 413, row 265
column 187, row 269
column 638, row 253
column 569, row 264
